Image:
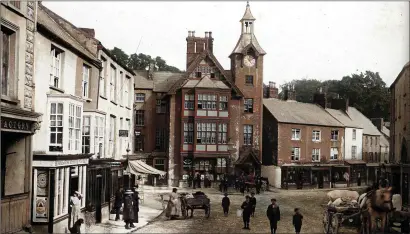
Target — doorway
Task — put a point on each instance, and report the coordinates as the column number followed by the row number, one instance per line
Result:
column 98, row 200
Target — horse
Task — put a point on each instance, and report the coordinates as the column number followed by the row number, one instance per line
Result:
column 375, row 204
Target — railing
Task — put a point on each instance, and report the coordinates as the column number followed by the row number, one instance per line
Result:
column 14, row 213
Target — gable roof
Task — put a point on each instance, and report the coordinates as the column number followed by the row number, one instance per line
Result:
column 141, row 81
column 206, row 83
column 47, row 23
column 246, row 41
column 364, row 122
column 194, row 64
column 343, row 118
column 299, row 113
column 160, row 82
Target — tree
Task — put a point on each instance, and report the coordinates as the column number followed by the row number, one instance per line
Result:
column 366, row 91
column 141, row 61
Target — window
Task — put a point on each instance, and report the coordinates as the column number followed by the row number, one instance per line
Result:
column 103, row 77
column 249, row 80
column 139, row 118
column 315, row 155
column 86, row 134
column 99, row 135
column 113, row 86
column 121, row 139
column 139, row 142
column 198, row 74
column 203, row 165
column 334, row 135
column 160, row 139
column 248, row 105
column 71, row 120
column 159, row 164
column 188, row 133
column 334, row 153
column 189, row 102
column 86, row 80
column 8, row 61
column 128, row 128
column 207, row 101
column 222, row 133
column 354, row 134
column 316, row 135
column 140, row 97
column 112, row 137
column 77, row 127
column 295, row 156
column 161, row 106
column 354, row 151
column 223, row 103
column 212, row 75
column 126, row 91
column 120, row 88
column 55, row 73
column 206, row 133
column 56, row 127
column 247, row 134
column 295, row 134
column 371, row 140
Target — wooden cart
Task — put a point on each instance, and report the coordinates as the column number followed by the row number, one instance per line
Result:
column 199, row 201
column 335, row 217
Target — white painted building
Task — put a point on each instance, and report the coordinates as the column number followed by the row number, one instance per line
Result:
column 353, row 135
column 64, row 72
column 115, row 99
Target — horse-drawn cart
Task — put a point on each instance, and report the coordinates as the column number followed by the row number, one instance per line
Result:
column 195, row 201
column 335, row 217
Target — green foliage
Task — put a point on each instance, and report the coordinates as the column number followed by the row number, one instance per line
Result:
column 366, row 91
column 141, row 61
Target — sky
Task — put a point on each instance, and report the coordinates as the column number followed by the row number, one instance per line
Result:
column 314, row 40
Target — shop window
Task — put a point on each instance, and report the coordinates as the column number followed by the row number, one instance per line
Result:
column 159, row 164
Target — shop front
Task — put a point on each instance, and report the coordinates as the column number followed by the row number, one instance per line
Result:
column 358, row 172
column 17, row 128
column 373, row 173
column 55, row 179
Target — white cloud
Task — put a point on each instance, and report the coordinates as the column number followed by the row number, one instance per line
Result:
column 321, row 40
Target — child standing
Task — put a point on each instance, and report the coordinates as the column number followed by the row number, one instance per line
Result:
column 297, row 220
column 225, row 204
column 253, row 202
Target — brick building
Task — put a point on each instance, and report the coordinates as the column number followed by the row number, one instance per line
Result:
column 304, row 141
column 207, row 119
column 400, row 133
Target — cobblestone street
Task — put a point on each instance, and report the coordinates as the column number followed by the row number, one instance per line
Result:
column 308, row 201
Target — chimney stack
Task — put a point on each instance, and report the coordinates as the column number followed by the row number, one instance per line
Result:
column 340, row 104
column 189, row 33
column 193, row 33
column 206, row 34
column 272, row 91
column 378, row 122
column 151, row 69
column 319, row 98
column 210, row 34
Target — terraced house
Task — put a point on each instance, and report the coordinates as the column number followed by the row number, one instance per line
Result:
column 207, row 119
column 19, row 120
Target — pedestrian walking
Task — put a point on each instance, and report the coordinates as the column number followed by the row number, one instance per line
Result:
column 246, row 213
column 118, row 204
column 225, row 183
column 297, row 220
column 225, row 204
column 253, row 202
column 258, row 184
column 75, row 203
column 198, row 180
column 273, row 213
column 128, row 212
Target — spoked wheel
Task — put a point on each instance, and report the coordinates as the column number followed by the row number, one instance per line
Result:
column 330, row 223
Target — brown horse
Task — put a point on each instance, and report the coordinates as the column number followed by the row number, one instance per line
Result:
column 377, row 205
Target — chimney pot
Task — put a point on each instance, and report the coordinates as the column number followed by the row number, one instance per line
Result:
column 210, row 34
column 206, row 34
column 193, row 33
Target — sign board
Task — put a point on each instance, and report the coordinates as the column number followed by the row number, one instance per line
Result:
column 123, row 133
column 16, row 124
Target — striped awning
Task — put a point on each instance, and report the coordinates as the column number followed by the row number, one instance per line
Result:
column 138, row 167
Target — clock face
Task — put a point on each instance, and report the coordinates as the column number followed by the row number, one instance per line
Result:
column 249, row 61
column 42, row 180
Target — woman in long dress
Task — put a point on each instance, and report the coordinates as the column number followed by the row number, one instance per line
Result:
column 174, row 206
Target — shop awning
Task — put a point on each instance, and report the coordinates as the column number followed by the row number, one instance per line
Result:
column 138, row 167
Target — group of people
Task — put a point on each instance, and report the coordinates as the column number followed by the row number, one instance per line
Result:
column 273, row 213
column 130, row 210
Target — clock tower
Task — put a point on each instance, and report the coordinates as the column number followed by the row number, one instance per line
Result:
column 247, row 74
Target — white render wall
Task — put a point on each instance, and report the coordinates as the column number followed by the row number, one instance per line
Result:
column 349, row 142
column 119, row 110
column 42, row 60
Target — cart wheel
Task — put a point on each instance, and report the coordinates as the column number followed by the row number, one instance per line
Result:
column 325, row 221
column 208, row 212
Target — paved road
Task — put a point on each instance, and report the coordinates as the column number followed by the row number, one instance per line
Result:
column 308, row 201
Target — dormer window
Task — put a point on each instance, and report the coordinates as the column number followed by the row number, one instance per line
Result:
column 198, row 74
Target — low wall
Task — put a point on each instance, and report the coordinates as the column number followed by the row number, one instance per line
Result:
column 273, row 173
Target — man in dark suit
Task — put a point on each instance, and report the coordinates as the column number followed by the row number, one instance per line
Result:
column 246, row 213
column 273, row 213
